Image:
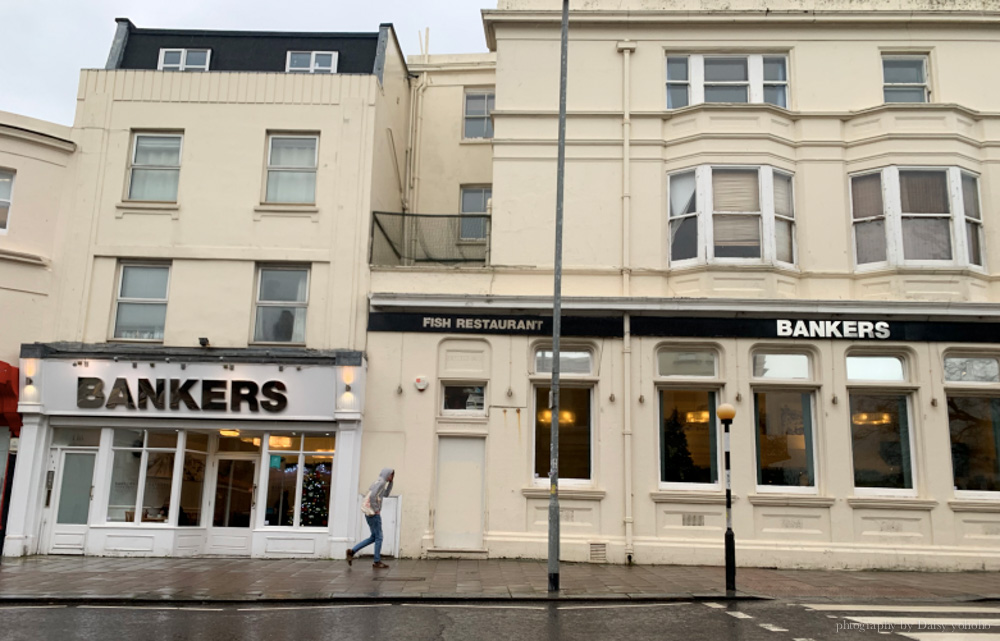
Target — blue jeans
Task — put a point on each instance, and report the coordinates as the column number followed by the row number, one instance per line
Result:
column 375, row 525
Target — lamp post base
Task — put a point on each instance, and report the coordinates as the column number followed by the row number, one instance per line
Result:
column 730, row 561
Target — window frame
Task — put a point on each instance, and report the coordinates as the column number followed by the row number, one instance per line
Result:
column 874, row 387
column 811, row 386
column 693, row 383
column 466, row 413
column 179, row 451
column 893, row 217
column 261, row 267
column 755, row 81
column 483, row 214
column 705, row 216
column 313, row 68
column 10, row 200
column 265, row 454
column 184, row 66
column 132, row 165
column 587, row 381
column 488, row 93
column 925, row 85
column 967, row 389
column 118, row 299
column 268, row 168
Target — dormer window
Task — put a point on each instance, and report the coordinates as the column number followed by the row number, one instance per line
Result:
column 311, row 62
column 184, row 59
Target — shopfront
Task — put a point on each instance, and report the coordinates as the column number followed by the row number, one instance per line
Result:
column 866, row 438
column 178, row 452
column 10, row 429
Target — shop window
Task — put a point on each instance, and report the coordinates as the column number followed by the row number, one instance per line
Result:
column 973, row 392
column 731, row 214
column 754, row 78
column 783, row 419
column 300, row 472
column 917, row 216
column 155, row 167
column 6, row 195
column 574, row 427
column 141, row 476
column 291, row 169
column 688, row 431
column 880, row 427
column 282, row 300
column 141, row 308
column 192, row 480
column 464, row 399
column 479, row 107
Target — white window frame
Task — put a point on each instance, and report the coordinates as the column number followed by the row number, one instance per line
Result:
column 705, row 216
column 876, row 387
column 978, row 389
column 677, row 382
column 313, row 67
column 268, row 168
column 184, row 66
column 179, row 450
column 893, row 220
column 122, row 267
column 579, row 381
column 261, row 268
column 485, row 213
column 755, row 76
column 301, row 453
column 808, row 386
column 132, row 165
column 9, row 202
column 488, row 93
column 925, row 85
column 467, row 412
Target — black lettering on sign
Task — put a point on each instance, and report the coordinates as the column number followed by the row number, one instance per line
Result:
column 182, row 392
column 120, row 395
column 213, row 396
column 89, row 393
column 157, row 397
column 244, row 392
column 277, row 401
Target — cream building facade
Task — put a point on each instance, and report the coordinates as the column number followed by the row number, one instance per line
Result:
column 787, row 208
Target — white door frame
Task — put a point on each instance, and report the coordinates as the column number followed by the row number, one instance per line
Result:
column 231, row 541
column 64, row 538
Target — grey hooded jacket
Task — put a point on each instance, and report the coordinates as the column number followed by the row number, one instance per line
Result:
column 380, row 488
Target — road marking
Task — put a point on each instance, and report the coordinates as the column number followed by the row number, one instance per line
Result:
column 950, row 636
column 717, row 606
column 739, row 615
column 607, row 607
column 316, row 607
column 31, row 607
column 476, row 607
column 804, row 639
column 128, row 607
column 956, row 609
column 911, row 622
column 772, row 628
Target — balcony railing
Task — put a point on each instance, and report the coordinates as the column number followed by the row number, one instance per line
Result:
column 429, row 239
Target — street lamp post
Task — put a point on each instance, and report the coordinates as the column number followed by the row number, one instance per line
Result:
column 726, row 414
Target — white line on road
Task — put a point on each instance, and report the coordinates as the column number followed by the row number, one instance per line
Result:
column 31, row 607
column 315, row 607
column 717, row 606
column 128, row 607
column 770, row 627
column 976, row 624
column 956, row 609
column 477, row 607
column 609, row 607
column 950, row 636
column 739, row 615
column 804, row 639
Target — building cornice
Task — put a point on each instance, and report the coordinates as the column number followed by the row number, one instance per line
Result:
column 724, row 307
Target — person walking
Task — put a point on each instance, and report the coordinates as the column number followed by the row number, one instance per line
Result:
column 372, row 508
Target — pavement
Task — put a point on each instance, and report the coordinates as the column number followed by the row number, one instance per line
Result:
column 90, row 579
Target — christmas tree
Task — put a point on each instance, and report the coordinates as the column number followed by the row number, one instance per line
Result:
column 315, row 495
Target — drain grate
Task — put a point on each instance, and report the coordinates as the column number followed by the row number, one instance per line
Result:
column 399, row 578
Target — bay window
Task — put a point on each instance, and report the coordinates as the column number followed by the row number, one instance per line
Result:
column 917, row 216
column 731, row 214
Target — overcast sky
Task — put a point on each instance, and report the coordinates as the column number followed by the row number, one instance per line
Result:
column 44, row 43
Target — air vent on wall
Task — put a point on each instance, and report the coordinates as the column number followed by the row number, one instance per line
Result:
column 693, row 520
column 598, row 552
